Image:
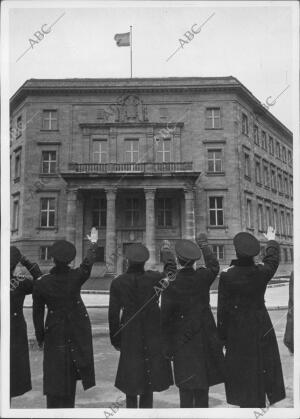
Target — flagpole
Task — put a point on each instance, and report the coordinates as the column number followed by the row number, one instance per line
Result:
column 130, row 51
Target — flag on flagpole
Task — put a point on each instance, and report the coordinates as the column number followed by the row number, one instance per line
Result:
column 122, row 39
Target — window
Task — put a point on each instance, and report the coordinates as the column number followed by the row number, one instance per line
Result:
column 213, row 118
column 48, row 212
column 279, row 183
column 268, row 217
column 260, row 217
column 245, row 128
column 99, row 151
column 17, row 166
column 264, row 140
column 276, row 224
column 278, row 150
column 273, row 179
column 247, row 165
column 163, row 152
column 44, row 253
column 285, row 252
column 255, row 134
column 286, row 186
column 99, row 254
column 290, row 161
column 99, row 212
column 292, row 254
column 282, row 223
column 291, row 188
column 271, row 145
column 249, row 213
column 50, row 121
column 215, row 161
column 19, row 126
column 218, row 250
column 216, row 213
column 164, row 212
column 283, row 154
column 132, row 212
column 163, row 114
column 266, row 176
column 49, row 162
column 15, row 217
column 131, row 151
column 258, row 172
column 288, row 225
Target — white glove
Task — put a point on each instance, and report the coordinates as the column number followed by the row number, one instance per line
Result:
column 271, row 233
column 93, row 238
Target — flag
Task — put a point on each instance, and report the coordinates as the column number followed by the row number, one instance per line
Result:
column 122, row 39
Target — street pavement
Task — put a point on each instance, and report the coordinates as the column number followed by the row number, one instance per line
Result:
column 106, row 362
column 276, row 296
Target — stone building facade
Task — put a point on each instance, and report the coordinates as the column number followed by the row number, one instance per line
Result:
column 146, row 160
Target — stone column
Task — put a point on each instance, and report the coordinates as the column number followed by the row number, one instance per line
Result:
column 150, row 224
column 71, row 215
column 79, row 228
column 110, row 245
column 189, row 214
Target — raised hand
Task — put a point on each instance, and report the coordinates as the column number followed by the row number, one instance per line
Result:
column 271, row 233
column 201, row 239
column 93, row 238
column 166, row 245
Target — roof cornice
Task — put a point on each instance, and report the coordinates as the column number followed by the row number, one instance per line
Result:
column 41, row 87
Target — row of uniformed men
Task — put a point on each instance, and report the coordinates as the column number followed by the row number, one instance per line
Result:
column 150, row 333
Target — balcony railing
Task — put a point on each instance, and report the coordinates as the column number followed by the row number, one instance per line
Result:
column 131, row 167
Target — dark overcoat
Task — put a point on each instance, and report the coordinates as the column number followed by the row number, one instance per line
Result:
column 20, row 286
column 253, row 367
column 67, row 333
column 189, row 329
column 289, row 328
column 134, row 323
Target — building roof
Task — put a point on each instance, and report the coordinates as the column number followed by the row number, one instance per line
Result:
column 86, row 85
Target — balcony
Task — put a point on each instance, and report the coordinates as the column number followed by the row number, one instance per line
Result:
column 149, row 167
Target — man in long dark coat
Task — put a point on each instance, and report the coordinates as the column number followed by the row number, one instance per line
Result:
column 20, row 286
column 66, row 334
column 188, row 325
column 134, row 324
column 253, row 367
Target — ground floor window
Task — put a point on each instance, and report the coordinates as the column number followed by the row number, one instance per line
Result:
column 164, row 212
column 218, row 250
column 45, row 254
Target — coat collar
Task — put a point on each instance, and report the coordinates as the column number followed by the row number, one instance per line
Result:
column 60, row 270
column 242, row 262
column 135, row 269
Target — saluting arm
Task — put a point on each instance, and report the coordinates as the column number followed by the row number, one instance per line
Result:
column 114, row 311
column 169, row 260
column 38, row 313
column 26, row 284
column 86, row 266
column 210, row 260
column 33, row 268
column 271, row 259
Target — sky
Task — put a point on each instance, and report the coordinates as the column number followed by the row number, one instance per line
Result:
column 252, row 42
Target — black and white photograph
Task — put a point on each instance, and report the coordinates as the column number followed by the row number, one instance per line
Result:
column 150, row 173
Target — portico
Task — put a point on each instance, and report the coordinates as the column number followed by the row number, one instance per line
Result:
column 129, row 209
